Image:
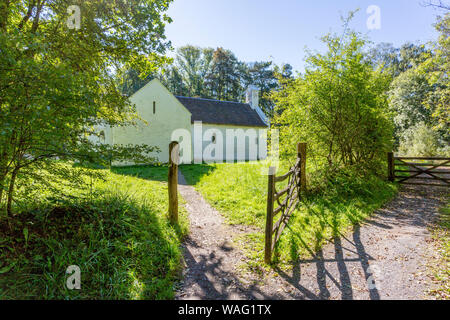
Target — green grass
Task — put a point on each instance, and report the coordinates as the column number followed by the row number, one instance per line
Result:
column 143, row 172
column 441, row 270
column 117, row 233
column 239, row 191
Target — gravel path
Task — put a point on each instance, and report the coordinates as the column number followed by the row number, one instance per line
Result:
column 210, row 257
column 385, row 258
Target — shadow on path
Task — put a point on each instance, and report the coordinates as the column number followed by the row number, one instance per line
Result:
column 380, row 259
column 384, row 258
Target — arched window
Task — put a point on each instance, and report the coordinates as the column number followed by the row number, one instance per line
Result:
column 213, row 138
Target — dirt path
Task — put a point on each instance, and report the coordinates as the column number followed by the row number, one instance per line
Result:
column 211, row 259
column 385, row 258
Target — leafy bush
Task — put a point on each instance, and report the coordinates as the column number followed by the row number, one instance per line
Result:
column 338, row 106
column 419, row 140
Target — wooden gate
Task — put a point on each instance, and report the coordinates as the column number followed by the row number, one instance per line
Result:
column 287, row 199
column 428, row 171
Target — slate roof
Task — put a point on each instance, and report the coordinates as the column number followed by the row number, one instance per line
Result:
column 221, row 112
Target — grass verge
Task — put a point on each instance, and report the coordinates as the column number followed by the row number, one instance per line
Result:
column 117, row 233
column 441, row 270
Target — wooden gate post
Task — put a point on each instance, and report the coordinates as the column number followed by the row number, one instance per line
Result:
column 301, row 153
column 174, row 159
column 391, row 166
column 269, row 218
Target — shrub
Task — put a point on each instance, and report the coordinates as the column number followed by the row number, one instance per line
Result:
column 338, row 106
column 419, row 140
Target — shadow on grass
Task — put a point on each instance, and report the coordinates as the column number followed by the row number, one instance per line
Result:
column 148, row 172
column 194, row 172
column 116, row 241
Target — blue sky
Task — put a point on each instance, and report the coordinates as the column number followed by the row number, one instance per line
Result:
column 279, row 30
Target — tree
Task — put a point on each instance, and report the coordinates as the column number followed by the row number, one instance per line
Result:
column 407, row 100
column 419, row 140
column 420, row 93
column 191, row 65
column 437, row 70
column 394, row 61
column 213, row 73
column 261, row 74
column 386, row 56
column 58, row 83
column 223, row 79
column 338, row 105
column 130, row 81
column 412, row 55
column 173, row 81
column 285, row 71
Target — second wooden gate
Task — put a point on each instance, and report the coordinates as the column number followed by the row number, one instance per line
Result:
column 428, row 171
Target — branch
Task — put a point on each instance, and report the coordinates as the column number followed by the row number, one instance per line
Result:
column 439, row 4
column 37, row 16
column 25, row 19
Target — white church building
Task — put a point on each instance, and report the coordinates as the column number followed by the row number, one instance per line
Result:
column 207, row 130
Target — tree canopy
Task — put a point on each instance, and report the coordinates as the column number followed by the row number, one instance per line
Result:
column 212, row 74
column 57, row 83
column 338, row 105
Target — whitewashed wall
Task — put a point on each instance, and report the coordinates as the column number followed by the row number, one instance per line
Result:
column 169, row 115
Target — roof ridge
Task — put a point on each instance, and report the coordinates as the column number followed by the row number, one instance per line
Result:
column 221, row 112
column 211, row 100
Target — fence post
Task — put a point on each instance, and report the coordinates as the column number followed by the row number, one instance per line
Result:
column 301, row 153
column 269, row 218
column 174, row 159
column 391, row 166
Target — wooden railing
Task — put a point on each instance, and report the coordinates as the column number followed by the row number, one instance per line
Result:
column 424, row 172
column 287, row 199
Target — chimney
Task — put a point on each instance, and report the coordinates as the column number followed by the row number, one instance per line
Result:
column 252, row 96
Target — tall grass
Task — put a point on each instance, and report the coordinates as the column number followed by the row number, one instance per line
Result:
column 441, row 270
column 117, row 233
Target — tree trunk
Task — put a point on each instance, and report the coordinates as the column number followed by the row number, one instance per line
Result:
column 2, row 181
column 11, row 190
column 3, row 173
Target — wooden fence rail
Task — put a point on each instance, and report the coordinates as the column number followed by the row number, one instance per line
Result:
column 287, row 199
column 419, row 170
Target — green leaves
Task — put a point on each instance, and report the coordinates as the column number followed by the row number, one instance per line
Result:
column 338, row 106
column 7, row 268
column 420, row 95
column 56, row 83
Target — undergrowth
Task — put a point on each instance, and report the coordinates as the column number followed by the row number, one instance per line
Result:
column 441, row 271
